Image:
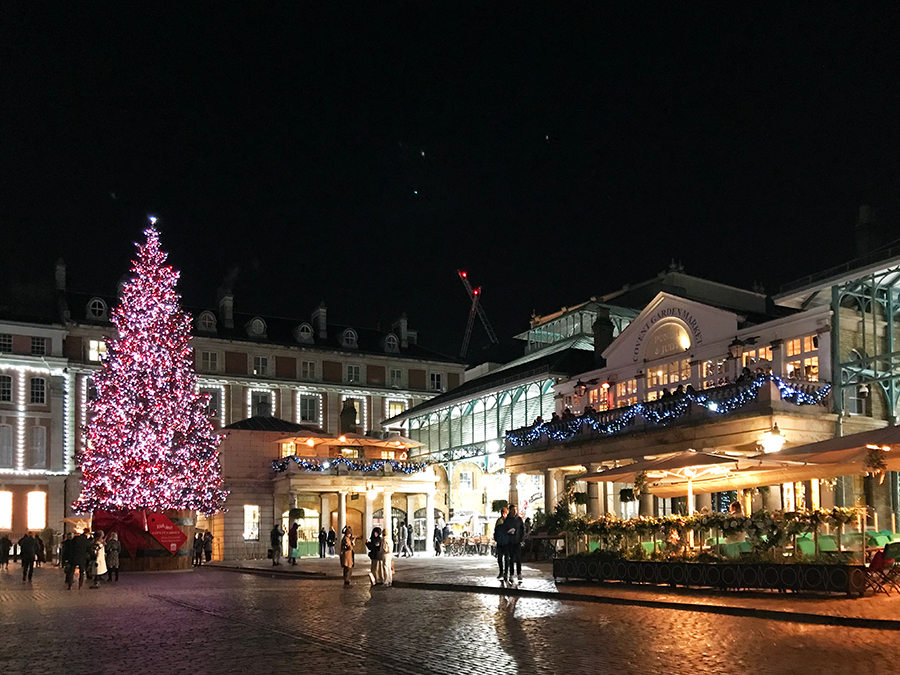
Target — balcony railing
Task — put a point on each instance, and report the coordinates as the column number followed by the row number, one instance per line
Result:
column 338, row 466
column 709, row 403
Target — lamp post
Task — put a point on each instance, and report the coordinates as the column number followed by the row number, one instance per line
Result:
column 773, row 440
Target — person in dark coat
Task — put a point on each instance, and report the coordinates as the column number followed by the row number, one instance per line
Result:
column 40, row 556
column 376, row 555
column 5, row 544
column 438, row 539
column 198, row 548
column 293, row 538
column 276, row 537
column 515, row 534
column 78, row 557
column 113, row 549
column 409, row 540
column 332, row 537
column 323, row 542
column 28, row 550
column 65, row 555
column 500, row 537
column 207, row 546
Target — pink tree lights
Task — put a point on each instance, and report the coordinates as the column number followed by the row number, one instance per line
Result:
column 150, row 442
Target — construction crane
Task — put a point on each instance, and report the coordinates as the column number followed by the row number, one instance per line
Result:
column 475, row 297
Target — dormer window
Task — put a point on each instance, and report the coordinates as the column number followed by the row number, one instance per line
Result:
column 392, row 344
column 96, row 309
column 349, row 339
column 207, row 322
column 304, row 333
column 256, row 327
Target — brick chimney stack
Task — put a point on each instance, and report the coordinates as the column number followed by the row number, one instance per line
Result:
column 320, row 320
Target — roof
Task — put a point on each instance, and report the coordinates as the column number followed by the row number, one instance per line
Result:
column 560, row 362
column 30, row 303
column 260, row 423
column 279, row 331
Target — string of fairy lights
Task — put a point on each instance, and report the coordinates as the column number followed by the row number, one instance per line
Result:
column 661, row 414
column 314, row 464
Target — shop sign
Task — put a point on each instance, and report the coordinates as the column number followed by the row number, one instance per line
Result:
column 165, row 532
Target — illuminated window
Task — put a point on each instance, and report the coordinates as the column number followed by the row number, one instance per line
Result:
column 37, row 511
column 792, row 347
column 288, row 449
column 5, row 510
column 307, row 370
column 350, row 453
column 593, row 396
column 309, row 408
column 213, row 406
column 359, row 404
column 5, row 388
column 38, row 390
column 626, row 393
column 396, row 408
column 251, row 522
column 805, row 364
column 96, row 350
column 38, row 346
column 6, row 446
column 209, row 362
column 465, row 480
column 395, row 378
column 5, row 342
column 713, row 373
column 260, row 366
column 38, row 447
column 354, row 375
column 388, row 454
column 754, row 357
column 652, row 395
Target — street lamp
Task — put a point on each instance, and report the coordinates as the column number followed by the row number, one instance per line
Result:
column 773, row 441
column 580, row 388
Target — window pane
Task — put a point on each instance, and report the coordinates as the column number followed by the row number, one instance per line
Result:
column 37, row 511
column 5, row 388
column 38, row 394
column 5, row 510
column 38, row 447
column 251, row 522
column 6, row 446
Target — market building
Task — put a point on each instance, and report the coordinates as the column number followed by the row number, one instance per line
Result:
column 717, row 369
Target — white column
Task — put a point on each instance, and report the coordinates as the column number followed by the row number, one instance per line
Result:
column 342, row 513
column 429, row 524
column 370, row 511
column 513, row 489
column 593, row 492
column 388, row 519
column 325, row 511
column 410, row 510
column 549, row 491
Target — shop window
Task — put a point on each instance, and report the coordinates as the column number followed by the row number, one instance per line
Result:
column 36, row 515
column 251, row 522
column 626, row 393
column 288, row 449
column 757, row 357
column 5, row 510
column 713, row 373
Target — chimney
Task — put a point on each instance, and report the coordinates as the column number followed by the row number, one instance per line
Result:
column 226, row 307
column 603, row 335
column 401, row 328
column 412, row 336
column 60, row 275
column 320, row 320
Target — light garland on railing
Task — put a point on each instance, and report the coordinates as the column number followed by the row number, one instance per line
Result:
column 324, row 464
column 676, row 407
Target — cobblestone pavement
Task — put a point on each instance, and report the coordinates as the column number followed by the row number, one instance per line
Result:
column 219, row 622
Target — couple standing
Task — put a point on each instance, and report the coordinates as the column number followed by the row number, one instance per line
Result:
column 509, row 532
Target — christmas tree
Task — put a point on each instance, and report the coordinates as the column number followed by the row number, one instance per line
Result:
column 150, row 441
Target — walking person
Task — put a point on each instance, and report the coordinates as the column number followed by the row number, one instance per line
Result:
column 332, row 536
column 276, row 536
column 65, row 558
column 323, row 542
column 78, row 559
column 438, row 539
column 409, row 540
column 98, row 558
column 198, row 549
column 346, row 556
column 207, row 546
column 401, row 549
column 515, row 534
column 113, row 549
column 5, row 544
column 40, row 555
column 28, row 549
column 387, row 560
column 376, row 555
column 500, row 538
column 293, row 537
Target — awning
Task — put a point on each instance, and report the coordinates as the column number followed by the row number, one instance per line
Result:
column 844, row 449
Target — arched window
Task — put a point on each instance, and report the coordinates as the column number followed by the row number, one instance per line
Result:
column 96, row 309
column 349, row 339
column 256, row 327
column 391, row 344
column 303, row 333
column 207, row 322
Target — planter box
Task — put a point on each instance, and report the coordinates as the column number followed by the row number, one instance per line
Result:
column 850, row 579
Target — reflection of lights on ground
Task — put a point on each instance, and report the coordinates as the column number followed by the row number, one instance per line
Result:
column 524, row 608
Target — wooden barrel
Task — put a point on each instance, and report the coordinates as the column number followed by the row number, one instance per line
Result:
column 153, row 557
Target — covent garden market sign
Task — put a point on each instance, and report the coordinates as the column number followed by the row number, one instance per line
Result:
column 671, row 330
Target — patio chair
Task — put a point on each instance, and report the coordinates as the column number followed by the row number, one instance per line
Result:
column 883, row 572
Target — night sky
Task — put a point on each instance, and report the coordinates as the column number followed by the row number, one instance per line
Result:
column 360, row 156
